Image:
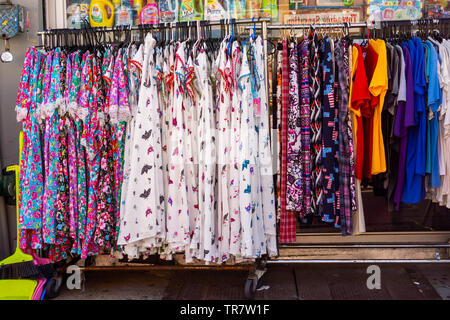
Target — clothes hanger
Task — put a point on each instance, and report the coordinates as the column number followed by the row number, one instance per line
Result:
column 251, row 36
column 231, row 38
column 199, row 39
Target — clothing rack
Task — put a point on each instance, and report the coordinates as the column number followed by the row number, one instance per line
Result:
column 166, row 25
column 256, row 269
column 328, row 25
column 295, row 254
column 171, row 25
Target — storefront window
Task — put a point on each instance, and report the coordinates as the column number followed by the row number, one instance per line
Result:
column 381, row 10
column 106, row 13
column 437, row 9
column 81, row 13
column 321, row 11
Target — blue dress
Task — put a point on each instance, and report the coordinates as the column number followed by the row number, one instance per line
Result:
column 414, row 190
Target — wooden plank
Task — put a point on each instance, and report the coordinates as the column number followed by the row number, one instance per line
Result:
column 311, row 283
column 281, row 282
column 376, row 237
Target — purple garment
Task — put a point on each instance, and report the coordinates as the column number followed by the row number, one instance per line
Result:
column 403, row 120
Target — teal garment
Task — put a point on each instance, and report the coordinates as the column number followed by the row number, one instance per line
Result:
column 434, row 100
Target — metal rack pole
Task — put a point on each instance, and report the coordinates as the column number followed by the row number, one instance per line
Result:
column 331, row 25
column 371, row 261
column 304, row 26
column 161, row 26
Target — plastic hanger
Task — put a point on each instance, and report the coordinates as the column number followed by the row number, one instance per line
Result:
column 252, row 35
column 199, row 39
column 231, row 38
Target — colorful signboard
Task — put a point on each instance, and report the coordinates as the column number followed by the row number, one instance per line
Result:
column 382, row 10
column 350, row 16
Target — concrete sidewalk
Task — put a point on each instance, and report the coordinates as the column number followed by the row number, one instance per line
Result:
column 287, row 282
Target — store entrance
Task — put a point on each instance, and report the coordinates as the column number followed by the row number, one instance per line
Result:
column 380, row 216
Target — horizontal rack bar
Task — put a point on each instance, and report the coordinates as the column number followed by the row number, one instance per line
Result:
column 325, row 25
column 155, row 267
column 328, row 7
column 372, row 24
column 365, row 246
column 159, row 26
column 412, row 22
column 372, row 261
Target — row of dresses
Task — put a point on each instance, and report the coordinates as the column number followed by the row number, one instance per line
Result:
column 74, row 107
column 147, row 149
column 316, row 175
column 370, row 112
column 401, row 89
column 198, row 170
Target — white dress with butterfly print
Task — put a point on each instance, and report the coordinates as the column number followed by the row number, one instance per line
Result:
column 178, row 236
column 236, row 98
column 253, row 243
column 246, row 203
column 257, row 225
column 145, row 195
column 223, row 160
column 265, row 156
column 135, row 74
column 205, row 237
column 165, row 100
column 190, row 152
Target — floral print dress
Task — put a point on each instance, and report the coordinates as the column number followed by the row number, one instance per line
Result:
column 31, row 186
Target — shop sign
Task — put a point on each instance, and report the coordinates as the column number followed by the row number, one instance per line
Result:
column 381, row 10
column 350, row 16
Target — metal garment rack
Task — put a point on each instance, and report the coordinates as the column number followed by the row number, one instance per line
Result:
column 257, row 270
column 297, row 246
column 160, row 26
